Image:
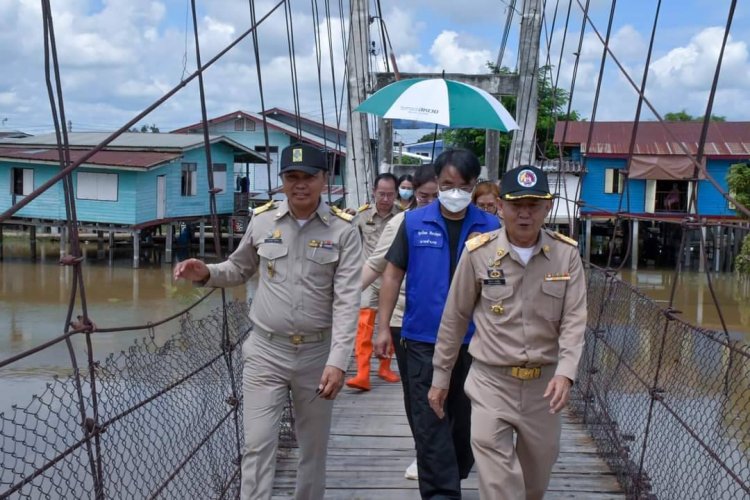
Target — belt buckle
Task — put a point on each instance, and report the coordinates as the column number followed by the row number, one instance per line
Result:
column 523, row 373
column 297, row 339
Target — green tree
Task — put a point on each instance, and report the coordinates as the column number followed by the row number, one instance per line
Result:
column 145, row 128
column 684, row 116
column 738, row 179
column 432, row 136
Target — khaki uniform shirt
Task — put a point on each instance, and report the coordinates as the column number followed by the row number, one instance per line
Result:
column 528, row 315
column 310, row 276
column 377, row 262
column 371, row 225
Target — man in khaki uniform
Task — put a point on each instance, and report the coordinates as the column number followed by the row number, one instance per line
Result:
column 304, row 313
column 525, row 289
column 371, row 221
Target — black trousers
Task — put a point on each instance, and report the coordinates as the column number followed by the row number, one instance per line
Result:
column 403, row 371
column 443, row 445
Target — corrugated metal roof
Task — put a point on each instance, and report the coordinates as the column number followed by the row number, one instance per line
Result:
column 126, row 140
column 654, row 138
column 274, row 124
column 134, row 142
column 122, row 159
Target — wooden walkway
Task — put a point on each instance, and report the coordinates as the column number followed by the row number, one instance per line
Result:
column 371, row 446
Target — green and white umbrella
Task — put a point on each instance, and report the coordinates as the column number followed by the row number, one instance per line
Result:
column 439, row 101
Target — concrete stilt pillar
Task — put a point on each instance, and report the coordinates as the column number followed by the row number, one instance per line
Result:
column 587, row 238
column 634, row 250
column 230, row 235
column 136, row 248
column 2, row 251
column 168, row 244
column 111, row 244
column 32, row 242
column 63, row 240
column 702, row 256
column 99, row 245
column 202, row 239
column 717, row 248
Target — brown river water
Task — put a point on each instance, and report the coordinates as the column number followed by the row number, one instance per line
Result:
column 34, row 299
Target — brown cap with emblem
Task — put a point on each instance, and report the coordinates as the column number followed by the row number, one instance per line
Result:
column 525, row 181
column 304, row 158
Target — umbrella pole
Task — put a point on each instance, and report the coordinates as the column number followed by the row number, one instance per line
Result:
column 434, row 140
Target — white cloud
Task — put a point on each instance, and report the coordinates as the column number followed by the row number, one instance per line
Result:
column 451, row 55
column 118, row 56
column 693, row 66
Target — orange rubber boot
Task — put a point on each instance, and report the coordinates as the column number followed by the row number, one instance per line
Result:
column 363, row 349
column 384, row 371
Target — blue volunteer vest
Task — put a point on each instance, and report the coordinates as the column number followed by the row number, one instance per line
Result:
column 428, row 268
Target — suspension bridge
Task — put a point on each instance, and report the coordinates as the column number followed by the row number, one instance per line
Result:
column 660, row 409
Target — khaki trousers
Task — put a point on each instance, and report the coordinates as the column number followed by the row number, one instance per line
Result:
column 502, row 406
column 271, row 368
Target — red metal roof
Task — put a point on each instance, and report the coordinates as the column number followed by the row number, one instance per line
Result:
column 132, row 159
column 727, row 139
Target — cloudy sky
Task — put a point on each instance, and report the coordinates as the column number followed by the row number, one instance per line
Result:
column 119, row 56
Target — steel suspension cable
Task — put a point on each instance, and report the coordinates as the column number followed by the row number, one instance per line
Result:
column 259, row 72
column 293, row 64
column 636, row 122
column 206, row 140
column 63, row 146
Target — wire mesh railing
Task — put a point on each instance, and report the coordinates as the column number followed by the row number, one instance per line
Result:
column 667, row 402
column 167, row 422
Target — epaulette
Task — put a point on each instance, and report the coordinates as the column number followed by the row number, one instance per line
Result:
column 563, row 238
column 363, row 207
column 341, row 214
column 264, row 208
column 479, row 241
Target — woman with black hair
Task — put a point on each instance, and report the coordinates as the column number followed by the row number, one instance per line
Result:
column 406, row 199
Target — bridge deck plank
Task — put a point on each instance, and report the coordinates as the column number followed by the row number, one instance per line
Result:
column 370, row 447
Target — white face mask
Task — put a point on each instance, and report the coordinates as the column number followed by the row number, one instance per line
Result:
column 405, row 194
column 454, row 200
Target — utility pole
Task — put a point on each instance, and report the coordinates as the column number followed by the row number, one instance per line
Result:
column 385, row 145
column 358, row 175
column 522, row 149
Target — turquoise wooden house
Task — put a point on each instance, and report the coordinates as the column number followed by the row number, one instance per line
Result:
column 660, row 182
column 138, row 183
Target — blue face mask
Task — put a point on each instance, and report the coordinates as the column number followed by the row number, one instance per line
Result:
column 405, row 194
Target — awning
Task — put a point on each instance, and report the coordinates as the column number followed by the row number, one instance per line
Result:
column 662, row 167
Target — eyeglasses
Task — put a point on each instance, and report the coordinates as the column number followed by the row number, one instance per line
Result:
column 384, row 196
column 466, row 188
column 491, row 208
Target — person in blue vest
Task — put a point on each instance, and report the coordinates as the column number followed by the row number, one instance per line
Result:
column 425, row 251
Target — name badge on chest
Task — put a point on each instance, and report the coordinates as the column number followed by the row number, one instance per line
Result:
column 274, row 237
column 428, row 238
column 494, row 277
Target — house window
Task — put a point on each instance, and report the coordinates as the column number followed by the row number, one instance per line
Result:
column 243, row 124
column 189, row 179
column 220, row 176
column 671, row 196
column 96, row 186
column 22, row 181
column 614, row 181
